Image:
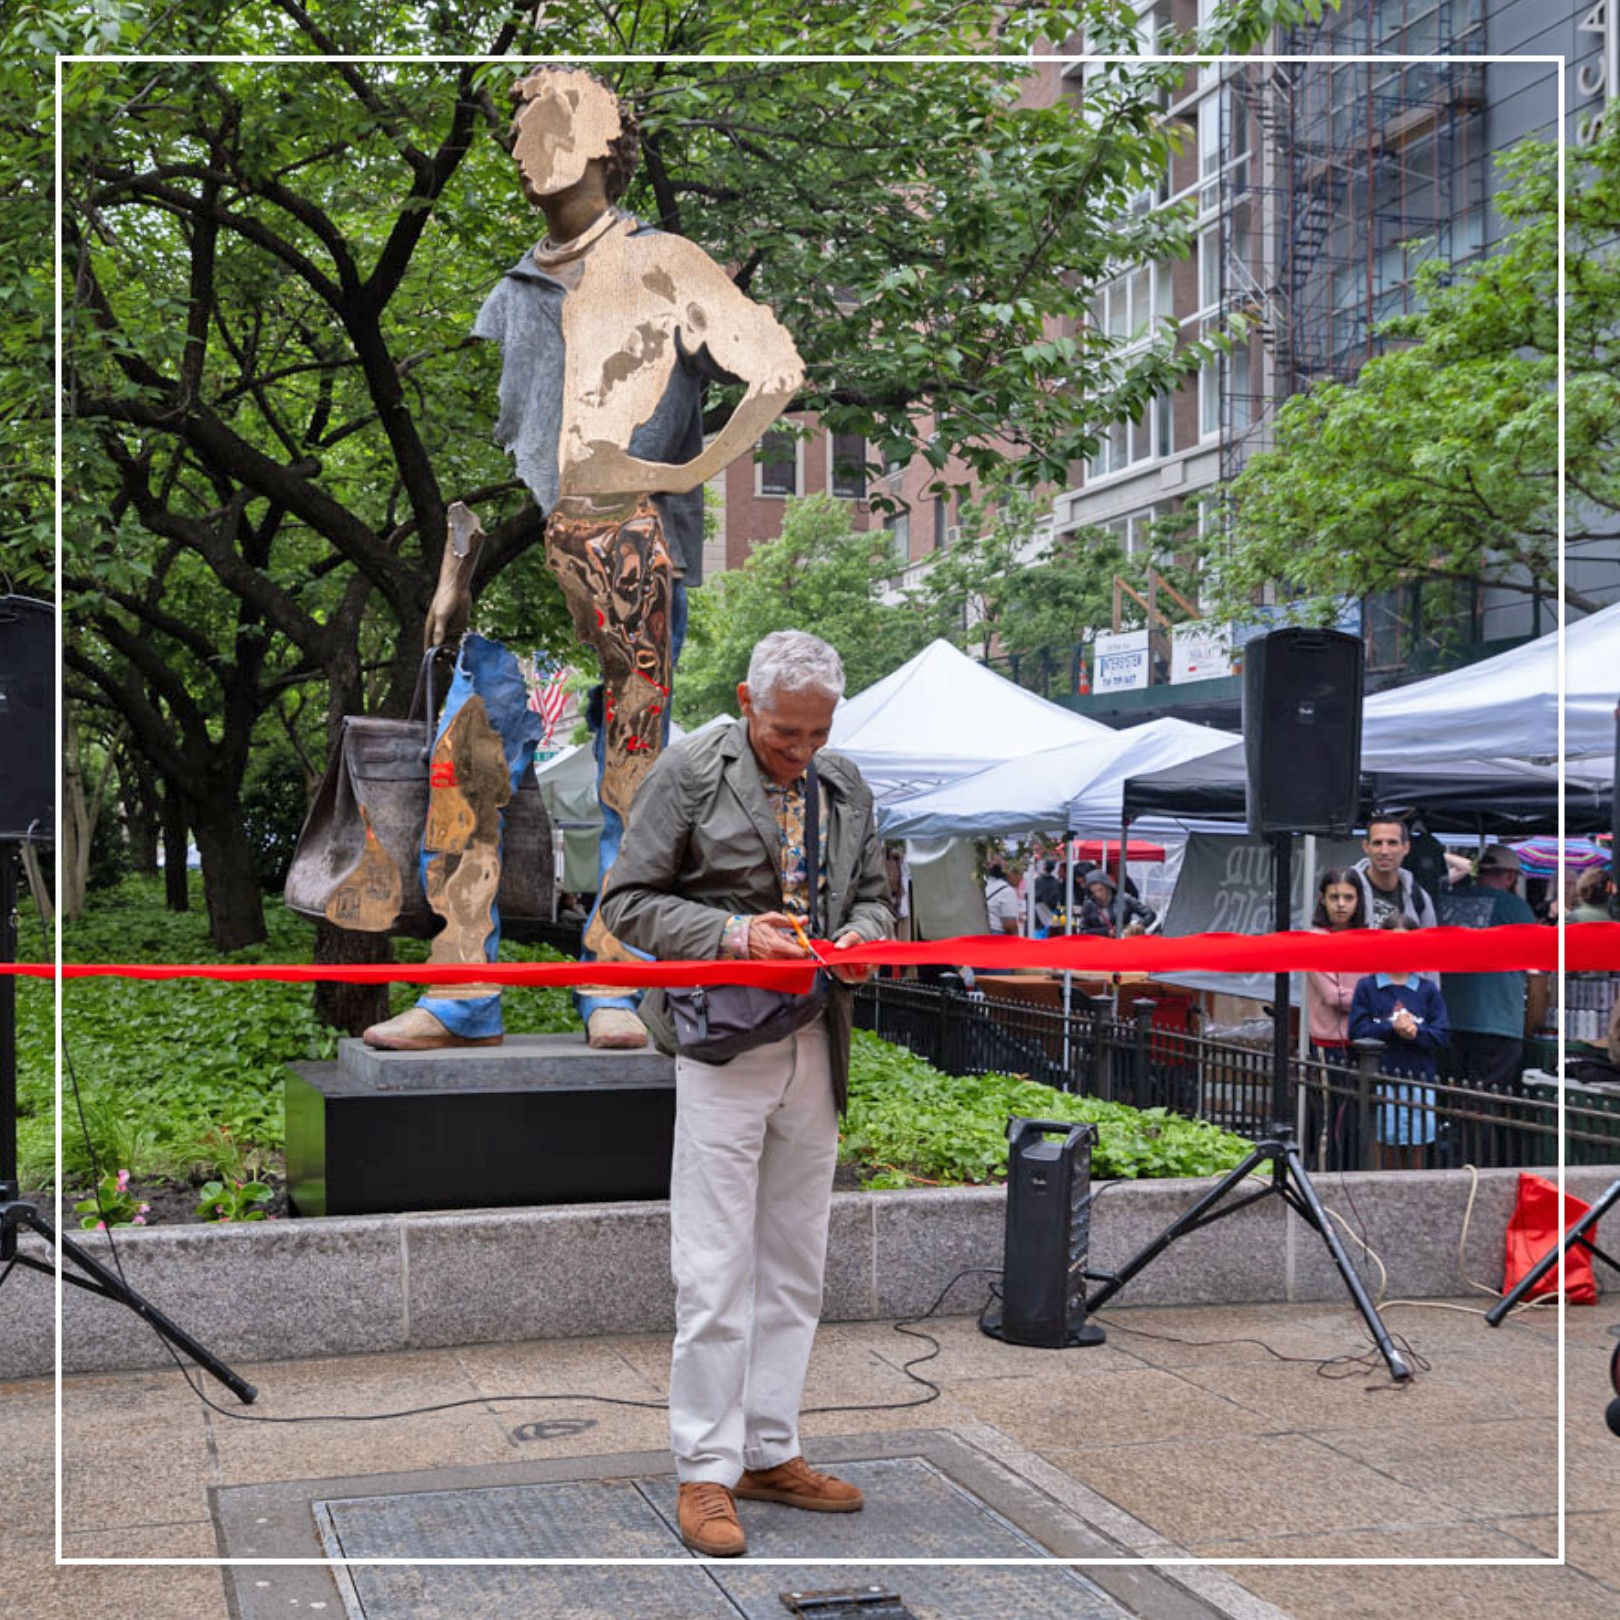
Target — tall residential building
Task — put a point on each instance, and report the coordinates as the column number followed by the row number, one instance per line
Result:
column 1323, row 178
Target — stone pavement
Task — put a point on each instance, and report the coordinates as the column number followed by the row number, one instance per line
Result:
column 1210, row 1447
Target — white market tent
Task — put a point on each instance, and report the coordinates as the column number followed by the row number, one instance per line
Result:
column 943, row 716
column 1075, row 787
column 567, row 782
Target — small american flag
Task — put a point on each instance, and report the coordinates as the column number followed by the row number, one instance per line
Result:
column 548, row 692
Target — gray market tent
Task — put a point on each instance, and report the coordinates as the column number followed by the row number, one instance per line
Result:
column 1505, row 707
column 943, row 716
column 1462, row 796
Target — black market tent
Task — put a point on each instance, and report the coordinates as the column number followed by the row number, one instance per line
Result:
column 1465, row 796
column 1472, row 748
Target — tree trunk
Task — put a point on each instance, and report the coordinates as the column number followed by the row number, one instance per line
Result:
column 75, row 827
column 141, row 811
column 176, row 890
column 230, row 888
column 350, row 1007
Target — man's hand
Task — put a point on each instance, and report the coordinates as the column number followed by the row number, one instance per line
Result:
column 772, row 937
column 1404, row 1024
column 856, row 973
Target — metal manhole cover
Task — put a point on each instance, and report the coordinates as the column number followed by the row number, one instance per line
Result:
column 913, row 1511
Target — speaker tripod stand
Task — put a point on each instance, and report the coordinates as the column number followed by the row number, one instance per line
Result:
column 17, row 1215
column 1290, row 1181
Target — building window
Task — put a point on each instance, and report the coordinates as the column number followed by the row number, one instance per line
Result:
column 942, row 513
column 1129, row 309
column 778, row 464
column 1124, row 444
column 848, row 478
column 899, row 526
column 1223, row 146
column 1130, row 533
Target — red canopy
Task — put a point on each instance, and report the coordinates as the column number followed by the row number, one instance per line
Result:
column 1105, row 851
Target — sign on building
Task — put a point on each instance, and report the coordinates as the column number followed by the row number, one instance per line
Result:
column 1596, row 70
column 1200, row 651
column 1121, row 661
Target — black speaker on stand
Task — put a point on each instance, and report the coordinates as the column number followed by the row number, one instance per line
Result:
column 28, row 816
column 1302, row 731
column 27, row 720
column 1302, row 744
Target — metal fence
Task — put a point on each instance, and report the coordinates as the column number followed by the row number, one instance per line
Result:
column 1349, row 1117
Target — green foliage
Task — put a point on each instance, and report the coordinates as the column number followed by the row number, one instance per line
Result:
column 1003, row 582
column 111, row 1204
column 820, row 575
column 183, row 1073
column 1439, row 462
column 222, row 1201
column 926, row 1127
column 274, row 804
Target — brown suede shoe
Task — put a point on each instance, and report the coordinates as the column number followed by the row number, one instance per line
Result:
column 797, row 1484
column 417, row 1030
column 707, row 1517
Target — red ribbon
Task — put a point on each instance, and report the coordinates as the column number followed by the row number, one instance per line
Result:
column 1515, row 948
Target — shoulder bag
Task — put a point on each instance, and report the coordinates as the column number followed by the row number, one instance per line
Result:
column 371, row 807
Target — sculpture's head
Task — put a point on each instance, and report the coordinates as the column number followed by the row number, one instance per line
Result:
column 566, row 119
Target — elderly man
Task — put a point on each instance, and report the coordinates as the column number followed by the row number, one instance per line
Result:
column 714, row 864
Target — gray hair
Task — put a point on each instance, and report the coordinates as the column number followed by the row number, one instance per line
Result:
column 793, row 661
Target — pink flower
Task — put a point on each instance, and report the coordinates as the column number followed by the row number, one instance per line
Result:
column 140, row 1220
column 123, row 1181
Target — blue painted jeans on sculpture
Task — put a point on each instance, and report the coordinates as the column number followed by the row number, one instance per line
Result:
column 485, row 669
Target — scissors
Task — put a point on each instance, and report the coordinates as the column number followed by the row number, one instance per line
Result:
column 804, row 940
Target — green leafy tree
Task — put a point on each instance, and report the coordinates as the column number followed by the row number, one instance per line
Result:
column 820, row 575
column 271, row 394
column 1003, row 587
column 1440, row 461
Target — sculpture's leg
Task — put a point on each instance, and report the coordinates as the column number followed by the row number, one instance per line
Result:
column 619, row 581
column 484, row 746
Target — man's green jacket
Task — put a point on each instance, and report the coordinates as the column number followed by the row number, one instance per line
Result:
column 701, row 845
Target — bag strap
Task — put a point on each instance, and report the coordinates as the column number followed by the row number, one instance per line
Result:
column 424, row 677
column 812, row 840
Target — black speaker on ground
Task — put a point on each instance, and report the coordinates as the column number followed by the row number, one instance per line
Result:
column 1048, row 1239
column 27, row 719
column 1302, row 731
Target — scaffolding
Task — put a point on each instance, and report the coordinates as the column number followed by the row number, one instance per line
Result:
column 1358, row 172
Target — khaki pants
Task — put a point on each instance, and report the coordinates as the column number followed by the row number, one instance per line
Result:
column 756, row 1140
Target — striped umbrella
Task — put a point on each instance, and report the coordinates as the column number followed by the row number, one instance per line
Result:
column 1540, row 856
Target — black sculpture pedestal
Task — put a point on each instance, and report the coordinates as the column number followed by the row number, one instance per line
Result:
column 541, row 1119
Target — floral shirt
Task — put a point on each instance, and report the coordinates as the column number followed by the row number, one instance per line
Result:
column 787, row 805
